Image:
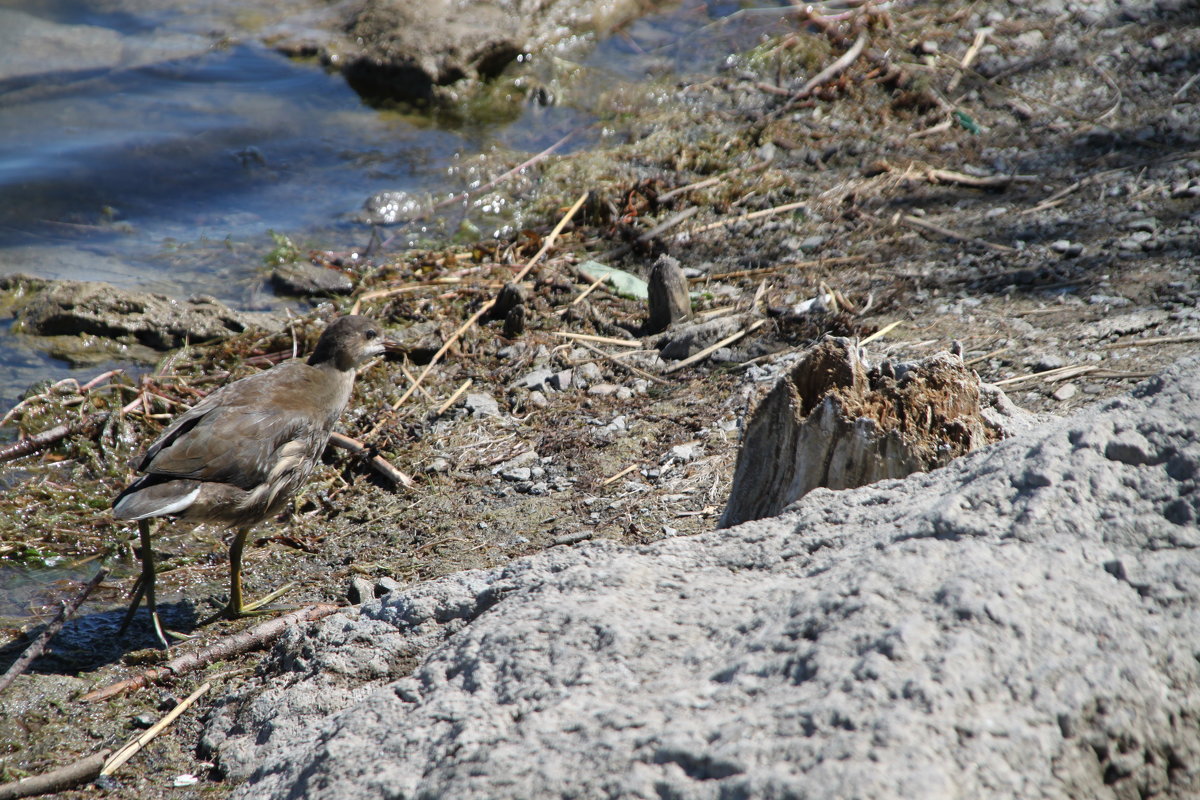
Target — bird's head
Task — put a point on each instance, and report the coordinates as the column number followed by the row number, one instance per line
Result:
column 348, row 342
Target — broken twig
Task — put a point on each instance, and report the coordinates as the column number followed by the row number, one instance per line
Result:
column 134, row 746
column 82, row 771
column 38, row 441
column 708, row 351
column 378, row 462
column 257, row 637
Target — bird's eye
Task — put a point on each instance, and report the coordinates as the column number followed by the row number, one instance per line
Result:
column 372, row 334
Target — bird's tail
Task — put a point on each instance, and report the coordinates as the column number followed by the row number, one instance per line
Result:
column 155, row 496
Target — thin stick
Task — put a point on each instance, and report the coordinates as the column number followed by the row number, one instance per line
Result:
column 453, row 398
column 706, row 352
column 1050, row 375
column 722, row 223
column 917, row 222
column 486, row 307
column 665, row 196
column 39, row 645
column 85, row 770
column 944, row 125
column 587, row 337
column 617, row 362
column 884, row 331
column 833, row 70
column 38, row 441
column 619, row 475
column 413, row 381
column 410, row 287
column 986, row 356
column 594, row 285
column 981, row 35
column 134, row 747
column 749, row 273
column 378, row 462
column 669, row 222
column 1187, row 337
column 257, row 637
column 991, row 181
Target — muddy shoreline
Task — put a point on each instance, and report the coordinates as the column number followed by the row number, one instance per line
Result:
column 1042, row 207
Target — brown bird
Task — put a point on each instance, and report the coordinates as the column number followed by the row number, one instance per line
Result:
column 239, row 454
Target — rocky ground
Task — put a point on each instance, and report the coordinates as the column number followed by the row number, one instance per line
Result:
column 1041, row 206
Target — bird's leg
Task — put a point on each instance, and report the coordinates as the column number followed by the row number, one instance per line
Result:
column 236, row 608
column 145, row 586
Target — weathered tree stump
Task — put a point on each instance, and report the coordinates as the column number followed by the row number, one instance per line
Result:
column 668, row 298
column 835, row 422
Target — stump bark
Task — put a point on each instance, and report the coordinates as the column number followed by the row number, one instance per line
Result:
column 668, row 298
column 834, row 421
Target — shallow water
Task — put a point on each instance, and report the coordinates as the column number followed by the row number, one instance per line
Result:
column 149, row 155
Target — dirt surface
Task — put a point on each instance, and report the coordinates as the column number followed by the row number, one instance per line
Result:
column 1042, row 207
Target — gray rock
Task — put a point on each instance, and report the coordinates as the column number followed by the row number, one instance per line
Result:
column 305, row 279
column 1021, row 623
column 481, row 404
column 56, row 308
column 416, row 51
column 516, row 474
column 1047, row 361
column 684, row 452
column 560, row 381
column 360, row 590
column 1065, row 392
column 1066, row 248
column 587, row 374
column 537, row 379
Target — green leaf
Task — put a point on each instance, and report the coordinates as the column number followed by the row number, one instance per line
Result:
column 623, row 283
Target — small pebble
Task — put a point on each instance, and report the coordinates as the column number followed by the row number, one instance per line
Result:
column 1066, row 248
column 481, row 405
column 560, row 381
column 360, row 590
column 685, row 452
column 1065, row 392
column 1047, row 362
column 517, row 474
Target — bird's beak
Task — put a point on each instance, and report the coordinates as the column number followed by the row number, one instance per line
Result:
column 392, row 348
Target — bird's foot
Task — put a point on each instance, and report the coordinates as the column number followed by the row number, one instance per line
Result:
column 161, row 633
column 254, row 609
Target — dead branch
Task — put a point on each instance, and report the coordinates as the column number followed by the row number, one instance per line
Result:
column 378, row 462
column 134, row 746
column 31, row 444
column 706, row 352
column 917, row 222
column 81, row 772
column 254, row 639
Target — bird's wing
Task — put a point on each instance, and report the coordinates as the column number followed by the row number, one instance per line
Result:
column 235, row 435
